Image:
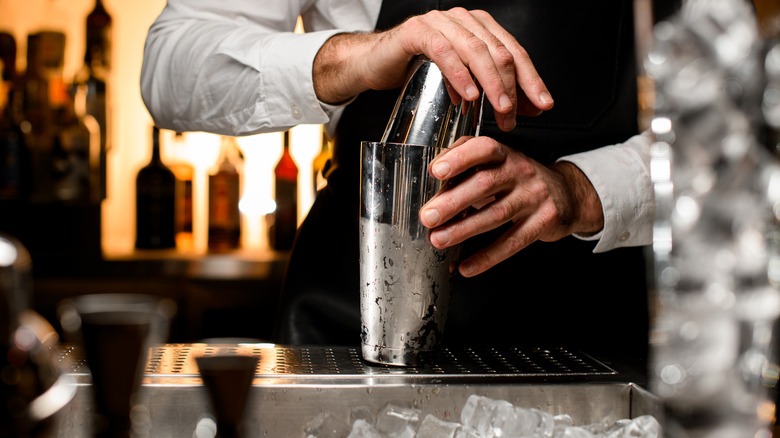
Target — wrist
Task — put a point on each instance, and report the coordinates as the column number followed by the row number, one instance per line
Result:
column 587, row 215
column 335, row 70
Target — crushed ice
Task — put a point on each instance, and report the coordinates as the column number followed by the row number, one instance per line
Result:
column 481, row 417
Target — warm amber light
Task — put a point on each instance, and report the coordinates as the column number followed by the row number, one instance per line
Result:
column 130, row 124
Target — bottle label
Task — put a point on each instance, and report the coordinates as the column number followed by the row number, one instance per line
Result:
column 223, row 201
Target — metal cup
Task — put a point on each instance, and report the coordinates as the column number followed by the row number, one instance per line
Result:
column 429, row 112
column 406, row 281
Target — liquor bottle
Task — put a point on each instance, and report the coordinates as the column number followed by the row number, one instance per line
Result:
column 34, row 103
column 320, row 164
column 184, row 173
column 285, row 222
column 155, row 191
column 75, row 153
column 224, row 192
column 99, row 25
column 14, row 156
column 93, row 75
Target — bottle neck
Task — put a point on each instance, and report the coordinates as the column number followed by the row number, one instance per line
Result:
column 156, row 156
column 286, row 142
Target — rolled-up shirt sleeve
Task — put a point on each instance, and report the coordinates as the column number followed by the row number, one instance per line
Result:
column 621, row 176
column 232, row 68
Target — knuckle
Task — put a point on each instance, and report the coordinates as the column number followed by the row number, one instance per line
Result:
column 552, row 217
column 484, row 181
column 476, row 44
column 414, row 23
column 527, row 171
column 514, row 243
column 501, row 212
column 435, row 13
column 458, row 11
column 504, row 58
column 486, row 259
column 497, row 150
column 480, row 13
column 457, row 156
column 439, row 47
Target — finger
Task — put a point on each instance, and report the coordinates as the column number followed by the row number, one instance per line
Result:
column 510, row 243
column 493, row 215
column 434, row 34
column 465, row 154
column 474, row 189
column 495, row 73
column 454, row 46
column 527, row 77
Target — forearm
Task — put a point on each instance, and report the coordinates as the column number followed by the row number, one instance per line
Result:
column 229, row 77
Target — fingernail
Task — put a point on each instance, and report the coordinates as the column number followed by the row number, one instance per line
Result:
column 471, row 92
column 545, row 98
column 441, row 169
column 466, row 269
column 440, row 238
column 431, row 217
column 504, row 102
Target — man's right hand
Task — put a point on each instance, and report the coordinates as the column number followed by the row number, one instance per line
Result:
column 460, row 42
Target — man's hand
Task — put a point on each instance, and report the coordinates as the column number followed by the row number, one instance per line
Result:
column 543, row 203
column 460, row 42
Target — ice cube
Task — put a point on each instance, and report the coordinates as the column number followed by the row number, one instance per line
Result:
column 499, row 418
column 397, row 421
column 363, row 429
column 433, row 427
column 467, row 432
column 362, row 413
column 572, row 432
column 478, row 413
column 645, row 426
column 326, row 425
column 563, row 420
column 513, row 421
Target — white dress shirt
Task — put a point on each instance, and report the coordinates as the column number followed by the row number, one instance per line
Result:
column 236, row 68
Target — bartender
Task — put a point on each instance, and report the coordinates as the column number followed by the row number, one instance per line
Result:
column 555, row 258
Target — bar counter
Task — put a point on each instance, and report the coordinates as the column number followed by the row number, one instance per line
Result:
column 294, row 385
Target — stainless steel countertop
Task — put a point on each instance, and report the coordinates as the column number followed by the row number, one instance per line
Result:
column 292, row 385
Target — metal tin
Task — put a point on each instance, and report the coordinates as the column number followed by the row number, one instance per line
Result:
column 406, row 281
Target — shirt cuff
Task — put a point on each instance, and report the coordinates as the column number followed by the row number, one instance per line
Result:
column 621, row 176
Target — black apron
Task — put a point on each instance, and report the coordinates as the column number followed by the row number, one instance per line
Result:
column 549, row 294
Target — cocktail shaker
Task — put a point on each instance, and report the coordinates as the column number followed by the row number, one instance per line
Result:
column 406, row 281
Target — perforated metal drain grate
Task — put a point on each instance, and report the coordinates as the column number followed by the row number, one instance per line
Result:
column 174, row 360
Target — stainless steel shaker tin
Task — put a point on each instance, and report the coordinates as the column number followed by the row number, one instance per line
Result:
column 406, row 281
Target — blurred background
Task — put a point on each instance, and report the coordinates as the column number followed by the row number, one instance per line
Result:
column 69, row 191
